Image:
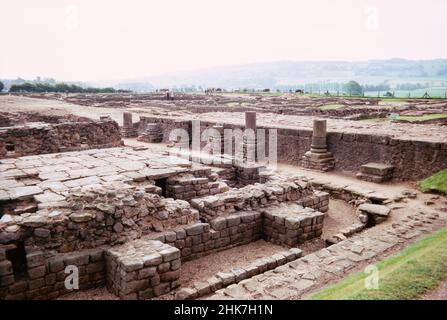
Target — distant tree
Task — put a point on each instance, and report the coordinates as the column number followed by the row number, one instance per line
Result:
column 354, row 88
column 58, row 87
column 1, row 86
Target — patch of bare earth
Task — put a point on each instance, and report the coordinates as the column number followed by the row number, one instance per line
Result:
column 339, row 216
column 198, row 269
column 205, row 267
column 440, row 293
column 92, row 294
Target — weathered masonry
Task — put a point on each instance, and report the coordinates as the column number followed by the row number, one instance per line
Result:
column 127, row 219
column 40, row 138
column 408, row 157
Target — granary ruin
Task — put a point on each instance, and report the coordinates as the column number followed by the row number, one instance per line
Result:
column 130, row 206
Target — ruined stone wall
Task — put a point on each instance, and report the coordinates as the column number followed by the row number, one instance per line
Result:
column 292, row 224
column 222, row 233
column 354, row 112
column 45, row 275
column 187, row 187
column 8, row 119
column 258, row 196
column 413, row 160
column 49, row 138
column 166, row 125
column 92, row 219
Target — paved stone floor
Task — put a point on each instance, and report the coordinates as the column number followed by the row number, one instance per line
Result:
column 49, row 177
column 295, row 279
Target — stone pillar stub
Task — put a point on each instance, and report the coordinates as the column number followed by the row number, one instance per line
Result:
column 250, row 120
column 319, row 136
column 318, row 158
column 128, row 131
column 127, row 119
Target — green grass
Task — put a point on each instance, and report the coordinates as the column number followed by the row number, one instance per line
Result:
column 331, row 106
column 425, row 117
column 437, row 183
column 434, row 92
column 393, row 100
column 406, row 275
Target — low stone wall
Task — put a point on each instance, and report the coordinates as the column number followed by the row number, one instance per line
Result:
column 235, row 275
column 43, row 138
column 166, row 125
column 409, row 157
column 95, row 218
column 256, row 196
column 292, row 225
column 187, row 187
column 142, row 269
column 202, row 239
column 45, row 275
column 9, row 119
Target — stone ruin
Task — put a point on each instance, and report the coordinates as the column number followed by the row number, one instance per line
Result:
column 35, row 134
column 318, row 158
column 127, row 219
column 128, row 130
column 376, row 172
column 152, row 133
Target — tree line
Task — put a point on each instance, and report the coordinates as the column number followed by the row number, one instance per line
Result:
column 59, row 87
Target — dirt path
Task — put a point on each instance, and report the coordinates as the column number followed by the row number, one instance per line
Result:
column 60, row 108
column 348, row 179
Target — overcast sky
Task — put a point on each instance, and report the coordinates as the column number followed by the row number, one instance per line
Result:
column 115, row 39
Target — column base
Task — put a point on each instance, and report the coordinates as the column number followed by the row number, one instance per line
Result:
column 318, row 161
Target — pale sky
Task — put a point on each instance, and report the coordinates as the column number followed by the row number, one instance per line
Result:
column 118, row 39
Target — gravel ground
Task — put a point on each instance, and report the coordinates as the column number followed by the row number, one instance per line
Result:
column 205, row 267
column 340, row 215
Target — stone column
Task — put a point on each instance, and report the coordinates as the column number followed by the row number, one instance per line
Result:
column 249, row 147
column 318, row 158
column 127, row 120
column 250, row 120
column 319, row 137
column 128, row 130
column 218, row 139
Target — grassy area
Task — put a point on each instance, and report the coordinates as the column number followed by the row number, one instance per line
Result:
column 331, row 106
column 437, row 183
column 406, row 275
column 434, row 93
column 393, row 100
column 425, row 117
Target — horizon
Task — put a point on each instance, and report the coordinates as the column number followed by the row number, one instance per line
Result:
column 82, row 41
column 213, row 67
